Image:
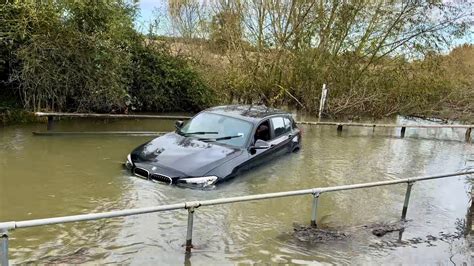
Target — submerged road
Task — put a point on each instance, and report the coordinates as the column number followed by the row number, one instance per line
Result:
column 49, row 177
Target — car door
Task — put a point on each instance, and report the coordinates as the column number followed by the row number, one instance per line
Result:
column 259, row 156
column 280, row 142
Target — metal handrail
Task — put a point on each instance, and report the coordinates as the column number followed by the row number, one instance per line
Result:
column 192, row 205
column 93, row 115
column 339, row 125
column 184, row 117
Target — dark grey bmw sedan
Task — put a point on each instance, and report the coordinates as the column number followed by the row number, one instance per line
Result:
column 217, row 144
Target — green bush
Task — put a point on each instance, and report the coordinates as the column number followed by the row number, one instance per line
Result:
column 162, row 82
column 87, row 56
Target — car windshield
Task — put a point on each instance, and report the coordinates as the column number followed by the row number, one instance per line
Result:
column 212, row 127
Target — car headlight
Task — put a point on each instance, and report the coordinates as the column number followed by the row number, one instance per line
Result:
column 129, row 163
column 201, row 181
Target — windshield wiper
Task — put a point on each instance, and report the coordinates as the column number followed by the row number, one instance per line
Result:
column 197, row 133
column 221, row 138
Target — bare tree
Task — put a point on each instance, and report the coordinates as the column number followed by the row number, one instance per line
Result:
column 275, row 47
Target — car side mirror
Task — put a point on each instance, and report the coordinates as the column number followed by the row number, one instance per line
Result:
column 178, row 124
column 259, row 145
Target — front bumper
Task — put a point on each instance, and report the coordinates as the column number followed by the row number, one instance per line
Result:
column 168, row 176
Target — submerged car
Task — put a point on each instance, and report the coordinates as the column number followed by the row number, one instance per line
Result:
column 217, row 144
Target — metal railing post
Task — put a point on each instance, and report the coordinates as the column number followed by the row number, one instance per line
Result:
column 407, row 200
column 468, row 135
column 314, row 209
column 50, row 125
column 402, row 132
column 4, row 248
column 189, row 233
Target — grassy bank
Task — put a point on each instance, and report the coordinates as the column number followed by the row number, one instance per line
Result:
column 11, row 113
column 10, row 116
column 436, row 86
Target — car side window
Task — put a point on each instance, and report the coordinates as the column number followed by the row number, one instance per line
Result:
column 263, row 131
column 288, row 124
column 279, row 127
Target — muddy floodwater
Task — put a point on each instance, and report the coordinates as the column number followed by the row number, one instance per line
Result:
column 44, row 177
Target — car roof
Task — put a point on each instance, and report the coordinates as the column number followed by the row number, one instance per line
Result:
column 251, row 113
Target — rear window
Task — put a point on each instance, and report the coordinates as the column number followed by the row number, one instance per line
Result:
column 279, row 127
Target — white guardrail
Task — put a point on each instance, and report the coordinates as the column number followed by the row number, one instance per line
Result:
column 191, row 206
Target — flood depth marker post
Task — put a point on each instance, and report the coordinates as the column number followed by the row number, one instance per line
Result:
column 322, row 102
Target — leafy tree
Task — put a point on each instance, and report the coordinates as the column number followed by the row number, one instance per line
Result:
column 87, row 56
column 162, row 82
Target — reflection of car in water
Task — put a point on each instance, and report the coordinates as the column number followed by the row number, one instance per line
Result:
column 216, row 144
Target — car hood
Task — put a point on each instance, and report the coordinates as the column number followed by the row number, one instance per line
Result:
column 178, row 156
